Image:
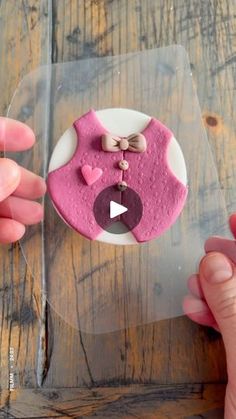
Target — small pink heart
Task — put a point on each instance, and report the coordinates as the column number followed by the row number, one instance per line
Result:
column 91, row 175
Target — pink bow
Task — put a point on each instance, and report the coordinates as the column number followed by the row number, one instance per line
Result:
column 134, row 142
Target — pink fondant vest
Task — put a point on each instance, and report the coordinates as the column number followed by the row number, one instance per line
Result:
column 162, row 194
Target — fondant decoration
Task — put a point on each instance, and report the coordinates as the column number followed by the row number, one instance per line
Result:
column 123, row 165
column 134, row 142
column 161, row 193
column 91, row 175
column 122, row 185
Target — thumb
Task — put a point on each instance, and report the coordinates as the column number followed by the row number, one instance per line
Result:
column 9, row 177
column 218, row 281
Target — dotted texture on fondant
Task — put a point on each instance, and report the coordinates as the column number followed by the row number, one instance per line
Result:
column 162, row 194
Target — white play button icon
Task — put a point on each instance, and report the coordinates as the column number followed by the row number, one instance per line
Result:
column 116, row 209
column 110, row 215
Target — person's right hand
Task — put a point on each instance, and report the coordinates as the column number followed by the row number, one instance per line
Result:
column 18, row 186
column 212, row 302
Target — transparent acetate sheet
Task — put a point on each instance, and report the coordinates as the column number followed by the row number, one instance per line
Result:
column 99, row 287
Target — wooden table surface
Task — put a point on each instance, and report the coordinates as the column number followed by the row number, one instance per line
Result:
column 169, row 369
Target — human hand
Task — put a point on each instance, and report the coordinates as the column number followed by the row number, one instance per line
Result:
column 213, row 302
column 18, row 186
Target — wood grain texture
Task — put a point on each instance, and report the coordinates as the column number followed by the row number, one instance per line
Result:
column 168, row 352
column 25, row 45
column 144, row 402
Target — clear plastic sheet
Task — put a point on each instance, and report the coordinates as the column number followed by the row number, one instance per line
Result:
column 98, row 287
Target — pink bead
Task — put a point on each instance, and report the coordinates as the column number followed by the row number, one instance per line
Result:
column 122, row 185
column 123, row 165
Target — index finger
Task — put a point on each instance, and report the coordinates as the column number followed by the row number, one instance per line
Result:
column 14, row 135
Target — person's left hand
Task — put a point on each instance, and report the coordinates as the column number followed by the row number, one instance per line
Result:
column 18, row 186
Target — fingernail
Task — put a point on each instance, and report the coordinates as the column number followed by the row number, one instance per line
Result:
column 216, row 268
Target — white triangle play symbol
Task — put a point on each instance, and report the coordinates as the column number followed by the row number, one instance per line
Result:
column 116, row 209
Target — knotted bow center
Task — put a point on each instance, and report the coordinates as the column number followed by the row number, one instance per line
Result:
column 134, row 142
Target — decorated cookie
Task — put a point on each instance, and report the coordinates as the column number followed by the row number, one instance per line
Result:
column 120, row 159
